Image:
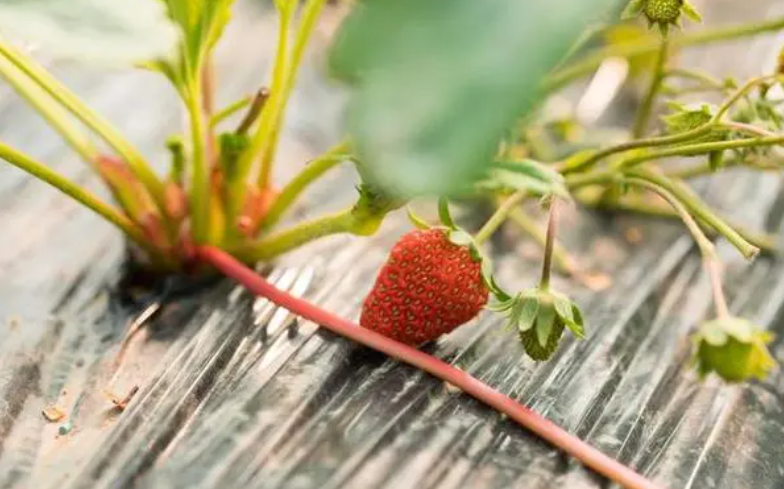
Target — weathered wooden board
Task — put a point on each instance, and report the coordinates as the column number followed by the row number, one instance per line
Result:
column 235, row 393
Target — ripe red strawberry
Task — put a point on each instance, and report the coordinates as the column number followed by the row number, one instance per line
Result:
column 428, row 287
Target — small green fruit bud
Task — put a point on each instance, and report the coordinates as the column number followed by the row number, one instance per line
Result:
column 540, row 316
column 733, row 348
column 534, row 348
column 662, row 13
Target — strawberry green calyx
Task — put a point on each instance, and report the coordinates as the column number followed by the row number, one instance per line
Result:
column 662, row 13
column 733, row 348
column 685, row 118
column 540, row 316
column 459, row 236
column 688, row 117
column 415, row 220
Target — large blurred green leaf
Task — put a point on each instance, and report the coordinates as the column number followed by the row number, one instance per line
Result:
column 437, row 82
column 114, row 31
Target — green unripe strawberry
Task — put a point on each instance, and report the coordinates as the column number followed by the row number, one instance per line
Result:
column 733, row 348
column 534, row 348
column 662, row 13
column 540, row 316
column 731, row 361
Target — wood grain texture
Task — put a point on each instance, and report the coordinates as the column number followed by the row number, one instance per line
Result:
column 235, row 393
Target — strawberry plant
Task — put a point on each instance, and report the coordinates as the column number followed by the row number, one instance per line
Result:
column 452, row 112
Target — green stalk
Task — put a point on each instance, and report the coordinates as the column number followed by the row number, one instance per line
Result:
column 591, row 61
column 698, row 208
column 704, row 244
column 702, row 130
column 765, row 242
column 101, row 126
column 310, row 15
column 578, row 181
column 500, row 215
column 84, row 197
column 312, row 172
column 549, row 245
column 704, row 168
column 200, row 184
column 561, row 258
column 349, row 221
column 236, row 186
column 638, row 144
column 644, row 112
column 707, row 250
column 54, row 115
column 701, row 148
column 741, row 92
column 705, row 79
column 748, row 129
column 230, row 110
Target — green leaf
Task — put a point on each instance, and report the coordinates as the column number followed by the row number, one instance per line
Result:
column 515, row 313
column 578, row 316
column 437, row 83
column 444, row 214
column 691, row 12
column 460, row 237
column 528, row 315
column 105, row 31
column 417, row 221
column 501, row 305
column 201, row 23
column 633, row 9
column 563, row 306
column 490, row 282
column 544, row 324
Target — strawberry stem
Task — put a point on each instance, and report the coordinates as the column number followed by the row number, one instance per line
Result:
column 644, row 112
column 76, row 192
column 101, row 126
column 309, row 16
column 549, row 245
column 561, row 258
column 200, row 184
column 358, row 220
column 637, row 205
column 673, row 139
column 707, row 249
column 444, row 215
column 312, row 172
column 591, row 61
column 231, row 109
column 525, row 417
column 55, row 115
column 500, row 215
column 237, row 185
column 256, row 106
column 700, row 210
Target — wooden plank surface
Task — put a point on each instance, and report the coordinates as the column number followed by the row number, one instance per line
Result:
column 235, row 393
